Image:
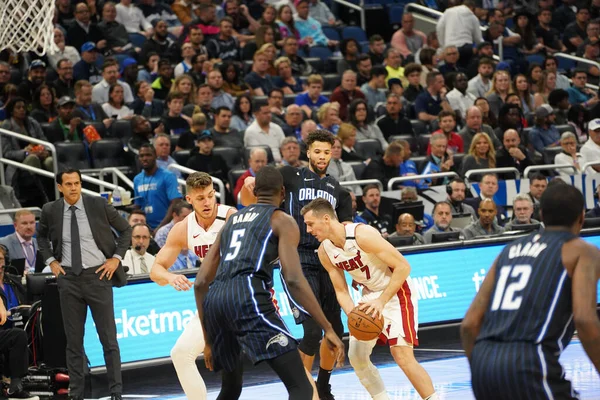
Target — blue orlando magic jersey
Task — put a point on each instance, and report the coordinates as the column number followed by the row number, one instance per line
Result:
column 531, row 301
column 248, row 245
column 301, row 187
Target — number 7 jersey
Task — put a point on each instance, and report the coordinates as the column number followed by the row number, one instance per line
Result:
column 531, row 301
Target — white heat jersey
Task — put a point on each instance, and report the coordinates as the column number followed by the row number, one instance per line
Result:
column 200, row 240
column 364, row 268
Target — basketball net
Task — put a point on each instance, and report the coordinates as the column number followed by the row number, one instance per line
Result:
column 26, row 25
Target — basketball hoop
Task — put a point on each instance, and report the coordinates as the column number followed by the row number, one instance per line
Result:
column 26, row 25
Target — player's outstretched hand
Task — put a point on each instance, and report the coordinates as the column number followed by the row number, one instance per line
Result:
column 249, row 183
column 180, row 282
column 336, row 345
column 373, row 307
column 208, row 361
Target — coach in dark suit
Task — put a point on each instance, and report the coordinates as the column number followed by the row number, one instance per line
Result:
column 87, row 262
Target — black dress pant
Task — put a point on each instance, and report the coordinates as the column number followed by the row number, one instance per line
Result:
column 13, row 344
column 76, row 294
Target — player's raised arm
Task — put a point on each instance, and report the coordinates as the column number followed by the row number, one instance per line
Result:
column 339, row 282
column 585, row 282
column 471, row 324
column 371, row 241
column 166, row 257
column 286, row 229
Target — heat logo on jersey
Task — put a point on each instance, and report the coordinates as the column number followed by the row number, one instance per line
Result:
column 309, row 194
column 202, row 250
column 351, row 264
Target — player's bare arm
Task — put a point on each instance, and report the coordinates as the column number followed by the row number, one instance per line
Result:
column 204, row 277
column 166, row 257
column 471, row 324
column 247, row 196
column 339, row 282
column 585, row 280
column 371, row 241
column 286, row 229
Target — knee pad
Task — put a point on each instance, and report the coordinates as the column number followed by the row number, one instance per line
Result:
column 310, row 342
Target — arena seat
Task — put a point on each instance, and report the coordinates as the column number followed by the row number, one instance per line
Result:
column 181, row 156
column 258, row 101
column 121, row 129
column 321, row 52
column 331, row 81
column 368, row 148
column 247, row 150
column 45, row 127
column 331, row 65
column 395, row 12
column 358, row 167
column 100, row 127
column 316, row 63
column 231, row 155
column 420, row 162
column 564, row 128
column 233, row 177
column 331, row 33
column 289, row 99
column 107, row 153
column 354, row 32
column 72, row 154
column 137, row 39
column 458, row 158
column 419, row 127
column 550, row 153
column 412, row 141
column 423, row 143
column 173, row 141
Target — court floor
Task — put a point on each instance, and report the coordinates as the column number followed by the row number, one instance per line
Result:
column 450, row 376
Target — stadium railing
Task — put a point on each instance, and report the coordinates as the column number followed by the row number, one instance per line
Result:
column 36, row 210
column 363, row 182
column 398, row 179
column 360, row 8
column 579, row 60
column 500, row 170
column 548, row 167
column 116, row 175
column 589, row 164
column 187, row 170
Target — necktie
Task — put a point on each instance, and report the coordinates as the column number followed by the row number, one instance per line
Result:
column 143, row 266
column 30, row 254
column 75, row 244
column 340, row 170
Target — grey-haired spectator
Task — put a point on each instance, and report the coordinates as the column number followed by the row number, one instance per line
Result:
column 522, row 212
column 569, row 155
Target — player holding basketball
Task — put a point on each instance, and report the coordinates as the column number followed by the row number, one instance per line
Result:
column 303, row 185
column 384, row 274
column 539, row 289
column 196, row 233
column 237, row 312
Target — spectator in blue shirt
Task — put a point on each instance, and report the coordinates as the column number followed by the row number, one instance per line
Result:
column 309, row 27
column 312, row 99
column 155, row 188
column 260, row 82
column 432, row 101
column 579, row 94
column 544, row 133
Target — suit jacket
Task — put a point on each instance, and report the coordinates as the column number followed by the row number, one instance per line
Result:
column 8, row 199
column 101, row 216
column 15, row 250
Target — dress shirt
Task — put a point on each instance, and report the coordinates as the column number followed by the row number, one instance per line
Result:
column 564, row 158
column 132, row 260
column 132, row 18
column 256, row 136
column 100, row 92
column 29, row 264
column 458, row 26
column 91, row 255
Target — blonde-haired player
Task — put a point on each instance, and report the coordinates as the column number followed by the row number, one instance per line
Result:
column 384, row 275
column 197, row 232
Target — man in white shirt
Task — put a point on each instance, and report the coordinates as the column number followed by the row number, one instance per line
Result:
column 110, row 76
column 263, row 132
column 459, row 27
column 460, row 100
column 136, row 258
column 133, row 19
column 591, row 149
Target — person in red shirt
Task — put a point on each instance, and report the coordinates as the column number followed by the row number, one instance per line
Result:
column 257, row 160
column 447, row 123
column 346, row 92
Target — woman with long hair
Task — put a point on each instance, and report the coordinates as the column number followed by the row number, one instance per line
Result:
column 44, row 104
column 270, row 51
column 534, row 74
column 487, row 116
column 184, row 84
column 232, row 83
column 546, row 84
column 363, row 121
column 242, row 113
column 501, row 87
column 285, row 80
column 329, row 117
column 481, row 154
column 522, row 90
column 115, row 107
column 525, row 27
column 268, row 18
column 287, row 27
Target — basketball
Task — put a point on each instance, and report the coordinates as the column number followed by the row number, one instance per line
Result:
column 363, row 326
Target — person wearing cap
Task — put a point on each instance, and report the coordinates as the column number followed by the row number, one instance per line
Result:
column 83, row 30
column 544, row 133
column 203, row 159
column 129, row 71
column 569, row 155
column 36, row 75
column 307, row 26
column 591, row 149
column 65, row 128
column 110, row 76
column 86, row 69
